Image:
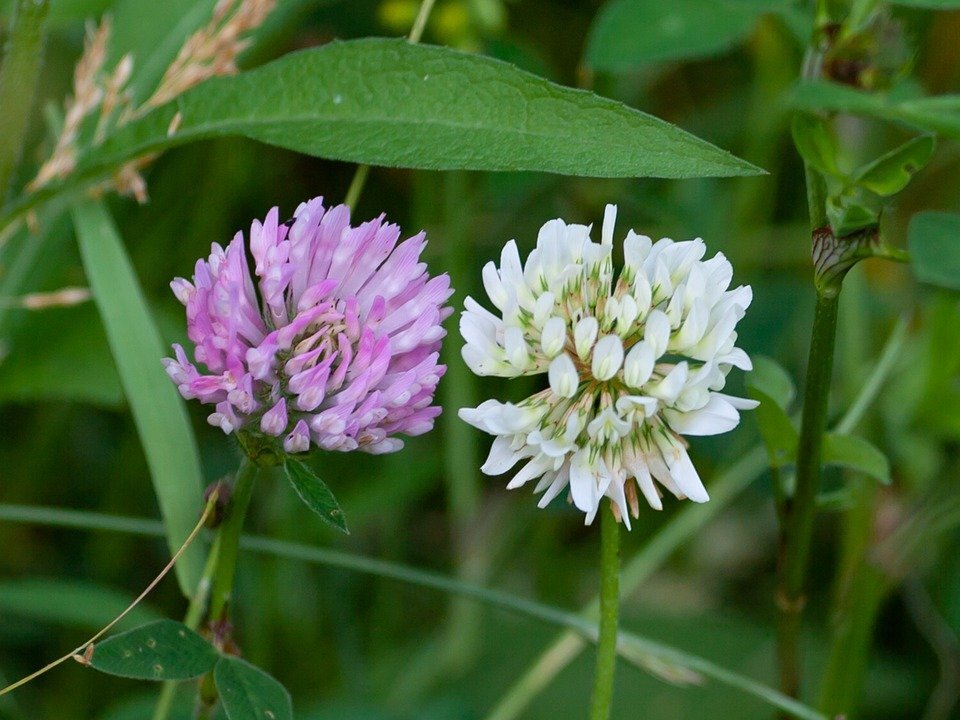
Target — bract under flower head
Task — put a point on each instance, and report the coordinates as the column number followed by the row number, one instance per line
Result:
column 333, row 340
column 633, row 363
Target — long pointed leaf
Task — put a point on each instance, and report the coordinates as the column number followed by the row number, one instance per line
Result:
column 158, row 412
column 389, row 102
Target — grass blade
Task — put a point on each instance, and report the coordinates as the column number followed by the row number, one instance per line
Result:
column 158, row 412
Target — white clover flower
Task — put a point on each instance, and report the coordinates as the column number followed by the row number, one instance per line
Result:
column 633, row 365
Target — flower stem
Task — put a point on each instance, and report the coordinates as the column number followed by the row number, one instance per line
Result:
column 799, row 510
column 216, row 584
column 18, row 79
column 609, row 609
column 360, row 175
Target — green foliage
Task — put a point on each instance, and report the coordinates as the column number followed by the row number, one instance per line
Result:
column 157, row 410
column 816, row 143
column 857, row 454
column 890, row 173
column 386, row 102
column 772, row 386
column 934, row 244
column 629, row 34
column 248, row 693
column 314, row 493
column 163, row 650
column 940, row 115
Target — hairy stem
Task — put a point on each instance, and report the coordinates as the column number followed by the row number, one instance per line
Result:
column 600, row 703
column 18, row 79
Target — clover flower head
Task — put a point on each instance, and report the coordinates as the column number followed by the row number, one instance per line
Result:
column 634, row 363
column 333, row 340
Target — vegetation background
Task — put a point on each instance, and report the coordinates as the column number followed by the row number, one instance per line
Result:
column 353, row 645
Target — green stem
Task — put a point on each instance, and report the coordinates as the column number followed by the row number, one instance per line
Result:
column 799, row 511
column 18, row 79
column 360, row 176
column 192, row 618
column 609, row 609
column 227, row 544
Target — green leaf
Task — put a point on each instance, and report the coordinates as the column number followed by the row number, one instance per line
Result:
column 158, row 411
column 857, row 454
column 771, row 385
column 890, row 173
column 933, row 240
column 248, row 693
column 163, row 650
column 314, row 493
column 769, row 377
column 816, row 143
column 847, row 215
column 388, row 102
column 940, row 114
column 629, row 34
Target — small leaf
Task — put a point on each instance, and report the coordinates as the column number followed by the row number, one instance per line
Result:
column 248, row 693
column 848, row 216
column 772, row 386
column 857, row 454
column 815, row 143
column 163, row 650
column 315, row 493
column 769, row 377
column 889, row 174
column 629, row 34
column 389, row 102
column 933, row 239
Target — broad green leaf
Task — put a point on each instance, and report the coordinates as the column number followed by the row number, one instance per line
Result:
column 629, row 34
column 158, row 411
column 890, row 173
column 61, row 354
column 248, row 693
column 388, row 102
column 69, row 602
column 314, row 493
column 163, row 650
column 769, row 377
column 847, row 215
column 854, row 452
column 933, row 240
column 772, row 387
column 815, row 143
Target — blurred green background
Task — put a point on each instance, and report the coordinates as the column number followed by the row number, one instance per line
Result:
column 350, row 645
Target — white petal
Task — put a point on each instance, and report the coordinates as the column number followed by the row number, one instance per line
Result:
column 638, row 365
column 607, row 357
column 739, row 403
column 502, row 456
column 553, row 336
column 657, row 332
column 583, row 482
column 533, row 469
column 671, row 386
column 494, row 286
column 609, row 221
column 563, row 376
column 585, row 335
column 717, row 416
